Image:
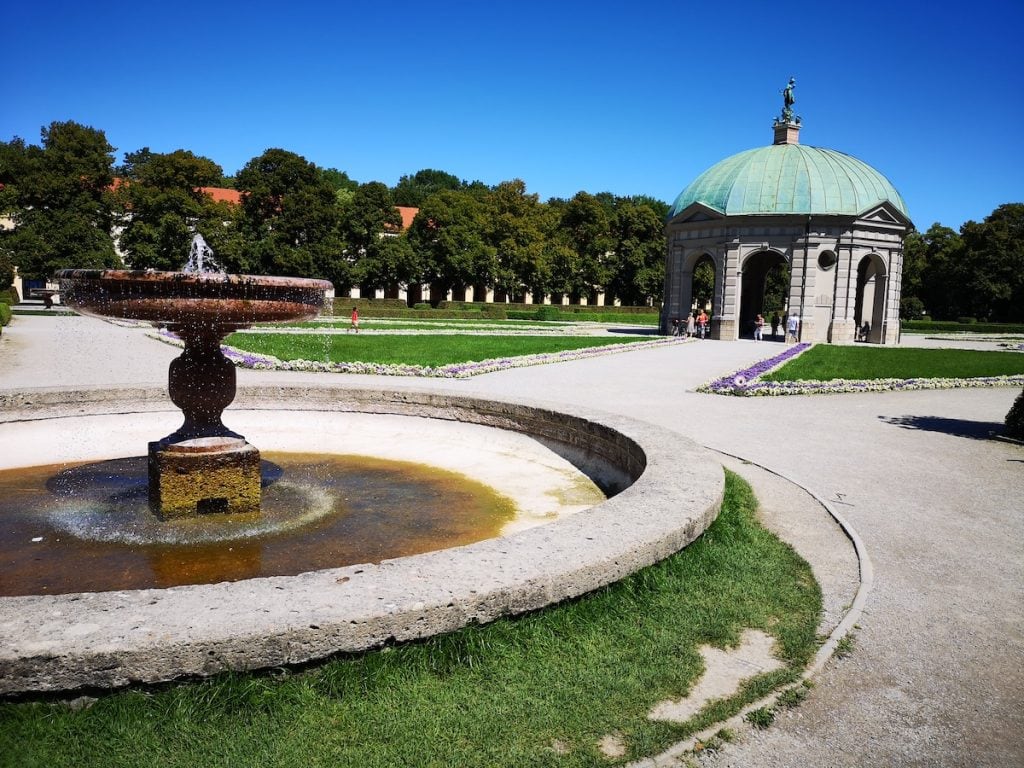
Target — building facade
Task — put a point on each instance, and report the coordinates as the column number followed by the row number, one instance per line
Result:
column 836, row 223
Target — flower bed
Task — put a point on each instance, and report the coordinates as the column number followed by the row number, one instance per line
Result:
column 747, row 383
column 257, row 361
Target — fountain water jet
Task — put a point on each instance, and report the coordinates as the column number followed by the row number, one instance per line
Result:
column 202, row 466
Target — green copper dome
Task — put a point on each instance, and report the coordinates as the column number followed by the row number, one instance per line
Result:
column 789, row 178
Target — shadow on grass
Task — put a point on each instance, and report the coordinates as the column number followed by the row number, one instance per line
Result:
column 975, row 430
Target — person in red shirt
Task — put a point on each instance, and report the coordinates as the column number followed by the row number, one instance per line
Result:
column 355, row 319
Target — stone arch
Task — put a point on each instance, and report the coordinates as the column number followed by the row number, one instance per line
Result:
column 869, row 305
column 702, row 292
column 756, row 274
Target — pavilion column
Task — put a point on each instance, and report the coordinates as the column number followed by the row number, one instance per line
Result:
column 725, row 320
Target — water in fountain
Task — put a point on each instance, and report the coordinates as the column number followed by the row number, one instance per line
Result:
column 200, row 259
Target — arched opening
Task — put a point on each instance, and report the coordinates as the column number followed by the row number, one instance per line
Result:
column 702, row 289
column 869, row 310
column 764, row 291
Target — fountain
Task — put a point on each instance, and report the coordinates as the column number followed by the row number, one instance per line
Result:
column 202, row 466
column 660, row 492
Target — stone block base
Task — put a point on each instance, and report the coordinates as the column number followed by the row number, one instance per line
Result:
column 204, row 475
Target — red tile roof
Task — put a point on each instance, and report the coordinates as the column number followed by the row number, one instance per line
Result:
column 408, row 214
column 221, row 195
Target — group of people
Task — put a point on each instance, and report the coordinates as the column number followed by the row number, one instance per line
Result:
column 792, row 327
column 696, row 325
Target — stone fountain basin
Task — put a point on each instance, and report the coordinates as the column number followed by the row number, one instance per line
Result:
column 177, row 298
column 668, row 491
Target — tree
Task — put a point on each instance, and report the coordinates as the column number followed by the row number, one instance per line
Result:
column 61, row 200
column 366, row 217
column 914, row 259
column 993, row 265
column 388, row 261
column 339, row 180
column 290, row 219
column 515, row 229
column 942, row 273
column 414, row 190
column 448, row 238
column 165, row 206
column 637, row 264
column 378, row 260
column 585, row 227
column 704, row 283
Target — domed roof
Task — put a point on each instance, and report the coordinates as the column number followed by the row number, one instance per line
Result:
column 789, row 178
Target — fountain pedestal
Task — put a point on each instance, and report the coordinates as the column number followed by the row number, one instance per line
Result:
column 204, row 475
column 202, row 466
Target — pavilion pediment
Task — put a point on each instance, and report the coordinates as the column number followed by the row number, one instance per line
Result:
column 696, row 212
column 886, row 213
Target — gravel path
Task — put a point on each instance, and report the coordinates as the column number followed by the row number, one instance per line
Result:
column 937, row 673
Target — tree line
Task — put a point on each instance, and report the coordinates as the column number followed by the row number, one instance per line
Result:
column 976, row 273
column 69, row 201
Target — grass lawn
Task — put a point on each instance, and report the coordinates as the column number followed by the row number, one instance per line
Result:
column 823, row 362
column 499, row 695
column 410, row 350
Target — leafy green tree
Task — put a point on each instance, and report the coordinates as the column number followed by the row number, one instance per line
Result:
column 61, row 200
column 366, row 217
column 914, row 260
column 447, row 236
column 993, row 264
column 370, row 223
column 414, row 190
column 165, row 207
column 942, row 273
column 637, row 263
column 339, row 180
column 585, row 227
column 389, row 261
column 515, row 229
column 660, row 207
column 290, row 219
column 704, row 283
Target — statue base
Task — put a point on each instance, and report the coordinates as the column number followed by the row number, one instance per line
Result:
column 204, row 475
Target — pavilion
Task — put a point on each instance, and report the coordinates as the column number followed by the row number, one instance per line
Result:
column 834, row 223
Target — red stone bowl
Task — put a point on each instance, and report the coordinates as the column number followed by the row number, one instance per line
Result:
column 180, row 299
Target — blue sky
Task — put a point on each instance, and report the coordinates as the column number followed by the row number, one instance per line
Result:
column 632, row 98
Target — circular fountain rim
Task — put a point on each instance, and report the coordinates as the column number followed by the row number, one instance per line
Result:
column 110, row 639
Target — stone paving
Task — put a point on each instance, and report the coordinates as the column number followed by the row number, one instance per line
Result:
column 936, row 677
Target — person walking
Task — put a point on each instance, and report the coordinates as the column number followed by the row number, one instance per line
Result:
column 758, row 327
column 355, row 320
column 793, row 327
column 702, row 323
column 689, row 325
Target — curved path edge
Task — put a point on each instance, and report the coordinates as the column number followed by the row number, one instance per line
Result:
column 673, row 756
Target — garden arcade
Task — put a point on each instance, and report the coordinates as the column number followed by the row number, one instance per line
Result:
column 830, row 222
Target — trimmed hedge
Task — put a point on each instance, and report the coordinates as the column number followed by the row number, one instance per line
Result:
column 5, row 314
column 952, row 326
column 473, row 310
column 572, row 309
